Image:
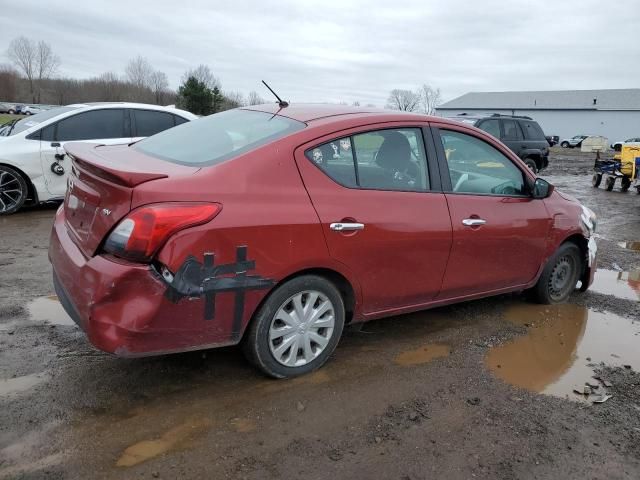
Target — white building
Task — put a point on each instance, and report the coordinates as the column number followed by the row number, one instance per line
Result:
column 614, row 114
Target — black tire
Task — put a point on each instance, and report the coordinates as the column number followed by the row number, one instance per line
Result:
column 13, row 190
column 11, row 112
column 596, row 180
column 625, row 183
column 609, row 183
column 531, row 163
column 564, row 144
column 560, row 275
column 255, row 344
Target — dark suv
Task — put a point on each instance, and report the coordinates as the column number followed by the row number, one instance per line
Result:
column 523, row 135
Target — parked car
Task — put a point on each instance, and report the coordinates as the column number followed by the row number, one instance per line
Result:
column 30, row 110
column 573, row 142
column 7, row 108
column 617, row 146
column 521, row 134
column 274, row 227
column 33, row 163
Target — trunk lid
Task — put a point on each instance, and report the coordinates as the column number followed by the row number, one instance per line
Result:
column 101, row 185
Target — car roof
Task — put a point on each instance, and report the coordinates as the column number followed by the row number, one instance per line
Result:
column 309, row 112
column 144, row 106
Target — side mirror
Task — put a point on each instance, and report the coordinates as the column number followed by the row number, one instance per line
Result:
column 542, row 188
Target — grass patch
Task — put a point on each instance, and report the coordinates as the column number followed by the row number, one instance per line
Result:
column 5, row 117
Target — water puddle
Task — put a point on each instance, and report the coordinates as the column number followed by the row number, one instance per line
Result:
column 423, row 354
column 173, row 438
column 562, row 340
column 48, row 310
column 620, row 284
column 14, row 386
column 630, row 245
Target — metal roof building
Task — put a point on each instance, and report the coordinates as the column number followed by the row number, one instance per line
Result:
column 614, row 113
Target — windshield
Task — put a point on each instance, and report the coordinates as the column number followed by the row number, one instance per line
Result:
column 218, row 137
column 33, row 120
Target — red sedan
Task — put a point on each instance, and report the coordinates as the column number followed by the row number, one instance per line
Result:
column 274, row 227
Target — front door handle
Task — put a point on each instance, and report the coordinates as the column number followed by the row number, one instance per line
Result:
column 473, row 222
column 346, row 227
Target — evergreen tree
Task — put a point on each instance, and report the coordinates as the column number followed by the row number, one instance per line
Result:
column 196, row 97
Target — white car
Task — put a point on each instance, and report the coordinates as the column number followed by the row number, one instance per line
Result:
column 33, row 163
column 30, row 110
column 617, row 146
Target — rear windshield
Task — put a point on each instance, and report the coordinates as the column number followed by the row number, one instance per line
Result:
column 34, row 120
column 218, row 137
column 532, row 130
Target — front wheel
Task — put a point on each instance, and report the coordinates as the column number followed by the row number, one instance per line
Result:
column 564, row 144
column 297, row 328
column 560, row 275
column 595, row 181
column 13, row 190
column 531, row 163
column 609, row 183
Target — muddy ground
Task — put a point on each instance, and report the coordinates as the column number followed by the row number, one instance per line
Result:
column 478, row 390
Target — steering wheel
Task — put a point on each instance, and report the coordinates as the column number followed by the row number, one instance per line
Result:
column 463, row 178
column 506, row 188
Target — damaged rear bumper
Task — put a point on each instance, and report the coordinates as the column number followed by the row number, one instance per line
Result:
column 123, row 308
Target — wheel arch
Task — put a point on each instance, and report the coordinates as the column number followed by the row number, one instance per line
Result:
column 344, row 286
column 583, row 244
column 32, row 193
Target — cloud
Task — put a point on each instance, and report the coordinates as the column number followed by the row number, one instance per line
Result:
column 334, row 51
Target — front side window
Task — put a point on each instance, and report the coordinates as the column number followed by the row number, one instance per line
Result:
column 392, row 159
column 511, row 130
column 92, row 125
column 476, row 167
column 218, row 137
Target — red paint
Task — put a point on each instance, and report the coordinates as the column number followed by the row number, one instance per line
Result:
column 413, row 253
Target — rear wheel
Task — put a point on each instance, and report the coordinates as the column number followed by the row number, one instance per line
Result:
column 560, row 275
column 596, row 180
column 531, row 163
column 609, row 183
column 625, row 183
column 13, row 190
column 297, row 328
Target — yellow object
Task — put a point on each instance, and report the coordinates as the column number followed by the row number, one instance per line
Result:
column 490, row 165
column 628, row 160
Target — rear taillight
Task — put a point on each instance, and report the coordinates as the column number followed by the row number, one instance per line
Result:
column 141, row 233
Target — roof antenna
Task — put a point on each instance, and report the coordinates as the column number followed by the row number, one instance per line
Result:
column 281, row 102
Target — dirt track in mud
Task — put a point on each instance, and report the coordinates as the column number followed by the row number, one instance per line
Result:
column 448, row 393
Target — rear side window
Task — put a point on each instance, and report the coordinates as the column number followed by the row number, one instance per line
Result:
column 149, row 122
column 93, row 125
column 219, row 137
column 532, row 130
column 179, row 120
column 392, row 159
column 511, row 130
column 492, row 127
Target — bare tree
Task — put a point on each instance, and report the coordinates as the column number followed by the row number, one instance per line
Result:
column 159, row 85
column 35, row 60
column 203, row 74
column 233, row 100
column 430, row 98
column 404, row 100
column 139, row 71
column 9, row 79
column 356, row 103
column 254, row 98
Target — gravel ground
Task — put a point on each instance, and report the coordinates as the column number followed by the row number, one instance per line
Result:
column 407, row 397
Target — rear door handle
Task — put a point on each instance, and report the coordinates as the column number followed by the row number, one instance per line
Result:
column 473, row 222
column 346, row 227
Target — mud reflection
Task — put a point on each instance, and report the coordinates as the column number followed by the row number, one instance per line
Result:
column 48, row 310
column 562, row 341
column 423, row 354
column 620, row 284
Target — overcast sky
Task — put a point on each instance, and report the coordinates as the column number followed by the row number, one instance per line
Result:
column 342, row 50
